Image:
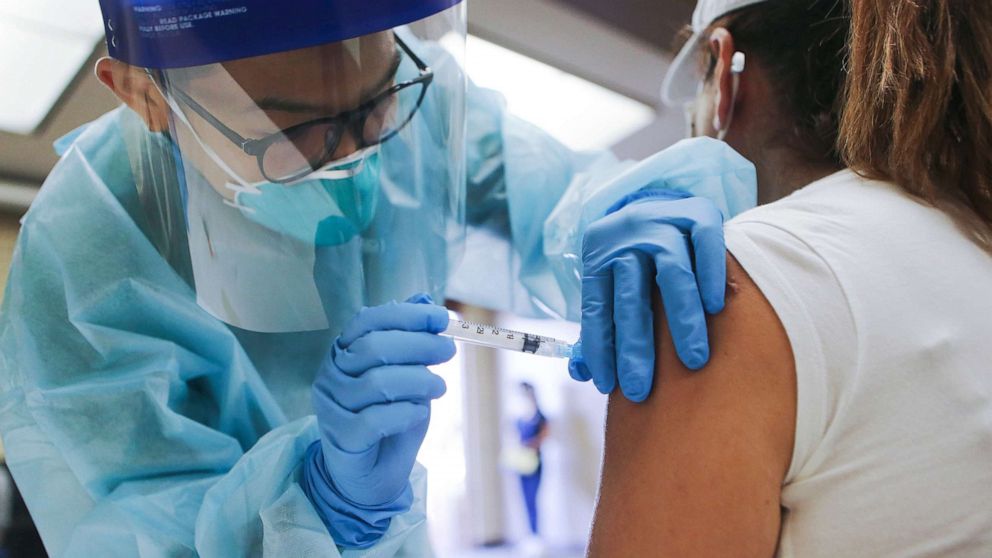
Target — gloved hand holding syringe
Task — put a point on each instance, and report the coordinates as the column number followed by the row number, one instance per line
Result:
column 500, row 338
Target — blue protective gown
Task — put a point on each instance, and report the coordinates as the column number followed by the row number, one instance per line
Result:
column 136, row 424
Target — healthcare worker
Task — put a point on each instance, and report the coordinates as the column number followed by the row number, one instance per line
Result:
column 200, row 350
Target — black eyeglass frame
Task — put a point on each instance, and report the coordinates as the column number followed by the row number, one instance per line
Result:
column 353, row 120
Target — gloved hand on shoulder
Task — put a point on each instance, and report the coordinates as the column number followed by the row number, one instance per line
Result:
column 666, row 235
column 678, row 241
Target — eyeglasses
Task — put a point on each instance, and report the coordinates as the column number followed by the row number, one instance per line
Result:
column 291, row 154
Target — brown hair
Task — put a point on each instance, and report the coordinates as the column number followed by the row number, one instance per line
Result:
column 802, row 46
column 918, row 108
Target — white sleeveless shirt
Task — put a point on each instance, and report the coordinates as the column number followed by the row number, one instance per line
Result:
column 888, row 308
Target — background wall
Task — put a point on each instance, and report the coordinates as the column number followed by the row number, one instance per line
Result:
column 8, row 235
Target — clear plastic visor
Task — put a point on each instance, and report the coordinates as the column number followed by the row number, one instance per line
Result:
column 319, row 180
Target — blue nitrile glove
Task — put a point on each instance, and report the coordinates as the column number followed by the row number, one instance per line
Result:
column 372, row 398
column 650, row 232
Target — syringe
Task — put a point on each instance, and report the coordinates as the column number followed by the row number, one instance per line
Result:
column 499, row 338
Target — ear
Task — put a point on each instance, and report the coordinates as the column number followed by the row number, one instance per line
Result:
column 721, row 45
column 135, row 89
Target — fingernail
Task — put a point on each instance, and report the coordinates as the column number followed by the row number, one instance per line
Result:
column 603, row 387
column 442, row 389
column 438, row 320
column 698, row 359
column 580, row 371
column 634, row 390
column 450, row 349
column 420, row 298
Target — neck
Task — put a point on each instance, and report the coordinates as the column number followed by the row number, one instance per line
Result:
column 762, row 133
column 781, row 171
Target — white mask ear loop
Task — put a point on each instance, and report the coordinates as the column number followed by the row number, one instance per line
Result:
column 348, row 167
column 737, row 64
column 203, row 145
column 355, row 164
column 689, row 111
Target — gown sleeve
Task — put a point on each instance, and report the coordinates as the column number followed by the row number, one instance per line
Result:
column 531, row 199
column 517, row 176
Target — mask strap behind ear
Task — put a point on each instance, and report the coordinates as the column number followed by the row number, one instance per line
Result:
column 737, row 64
column 181, row 116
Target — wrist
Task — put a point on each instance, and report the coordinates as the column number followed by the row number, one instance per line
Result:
column 351, row 525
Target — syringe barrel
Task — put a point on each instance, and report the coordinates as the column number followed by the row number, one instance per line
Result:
column 488, row 336
column 491, row 336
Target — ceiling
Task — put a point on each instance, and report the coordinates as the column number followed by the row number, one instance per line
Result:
column 654, row 21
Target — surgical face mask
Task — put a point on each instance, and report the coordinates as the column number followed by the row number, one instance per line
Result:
column 327, row 208
column 273, row 256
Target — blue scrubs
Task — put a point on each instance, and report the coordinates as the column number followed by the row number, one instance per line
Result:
column 529, row 430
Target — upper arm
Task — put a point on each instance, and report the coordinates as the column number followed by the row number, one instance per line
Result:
column 697, row 469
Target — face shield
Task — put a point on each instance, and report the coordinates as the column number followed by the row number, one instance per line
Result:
column 319, row 174
column 686, row 77
column 691, row 103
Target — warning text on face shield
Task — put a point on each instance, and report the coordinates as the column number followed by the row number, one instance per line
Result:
column 188, row 21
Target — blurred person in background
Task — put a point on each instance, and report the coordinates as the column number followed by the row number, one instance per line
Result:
column 532, row 430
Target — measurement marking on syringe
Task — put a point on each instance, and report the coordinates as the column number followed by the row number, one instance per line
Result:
column 501, row 338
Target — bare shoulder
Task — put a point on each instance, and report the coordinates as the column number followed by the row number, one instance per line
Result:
column 697, row 469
